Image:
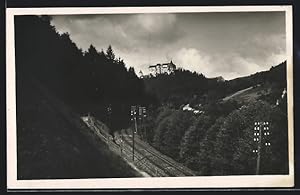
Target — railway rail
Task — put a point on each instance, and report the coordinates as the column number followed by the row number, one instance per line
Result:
column 146, row 158
column 170, row 166
column 125, row 151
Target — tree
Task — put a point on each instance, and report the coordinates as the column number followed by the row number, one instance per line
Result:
column 170, row 130
column 131, row 72
column 234, row 142
column 110, row 53
column 87, row 81
column 190, row 142
column 207, row 152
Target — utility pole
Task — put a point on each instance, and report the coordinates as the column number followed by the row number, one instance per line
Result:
column 133, row 132
column 121, row 145
column 142, row 116
column 90, row 119
column 133, row 117
column 261, row 138
column 137, row 113
column 109, row 113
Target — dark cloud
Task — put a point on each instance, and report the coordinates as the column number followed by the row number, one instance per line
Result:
column 126, row 32
column 227, row 44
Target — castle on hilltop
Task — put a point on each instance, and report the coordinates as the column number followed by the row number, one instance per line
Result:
column 166, row 68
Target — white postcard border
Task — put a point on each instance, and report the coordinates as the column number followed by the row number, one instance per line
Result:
column 134, row 183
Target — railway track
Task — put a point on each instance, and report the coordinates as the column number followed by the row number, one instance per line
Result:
column 140, row 156
column 146, row 157
column 158, row 159
column 141, row 161
column 171, row 162
column 124, row 150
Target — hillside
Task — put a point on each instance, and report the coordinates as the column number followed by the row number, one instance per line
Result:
column 265, row 85
column 197, row 115
column 182, row 87
column 237, row 94
column 88, row 81
column 54, row 143
column 186, row 87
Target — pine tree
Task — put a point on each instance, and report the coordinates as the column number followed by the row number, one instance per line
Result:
column 110, row 53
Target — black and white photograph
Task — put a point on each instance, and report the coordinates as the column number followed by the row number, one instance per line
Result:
column 157, row 97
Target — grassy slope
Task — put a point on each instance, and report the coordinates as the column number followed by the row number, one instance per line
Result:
column 49, row 146
column 248, row 95
column 265, row 92
column 255, row 86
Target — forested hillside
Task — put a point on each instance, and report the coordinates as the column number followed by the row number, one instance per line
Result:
column 88, row 81
column 218, row 138
column 51, row 145
column 184, row 86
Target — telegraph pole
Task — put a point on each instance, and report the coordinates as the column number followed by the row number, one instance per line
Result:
column 133, row 117
column 121, row 144
column 109, row 112
column 261, row 131
column 142, row 116
column 137, row 113
column 133, row 132
column 259, row 149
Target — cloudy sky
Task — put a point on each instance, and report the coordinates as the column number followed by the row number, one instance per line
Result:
column 215, row 44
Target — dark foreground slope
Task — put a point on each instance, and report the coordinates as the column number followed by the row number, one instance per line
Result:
column 52, row 143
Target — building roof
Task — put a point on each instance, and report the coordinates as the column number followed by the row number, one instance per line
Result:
column 165, row 64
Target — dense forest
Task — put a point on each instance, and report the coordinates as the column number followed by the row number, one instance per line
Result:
column 88, row 81
column 218, row 141
column 52, row 144
column 190, row 87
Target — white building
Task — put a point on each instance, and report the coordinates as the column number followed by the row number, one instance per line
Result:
column 166, row 68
